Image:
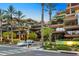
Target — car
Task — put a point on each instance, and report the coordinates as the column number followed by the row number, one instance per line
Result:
column 25, row 43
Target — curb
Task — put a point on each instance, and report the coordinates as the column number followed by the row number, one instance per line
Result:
column 59, row 51
column 46, row 50
column 70, row 52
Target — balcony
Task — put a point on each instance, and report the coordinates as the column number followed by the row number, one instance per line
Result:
column 74, row 6
column 70, row 17
column 58, row 32
column 73, row 27
column 56, row 25
column 71, row 36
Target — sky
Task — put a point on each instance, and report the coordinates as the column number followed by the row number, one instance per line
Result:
column 33, row 10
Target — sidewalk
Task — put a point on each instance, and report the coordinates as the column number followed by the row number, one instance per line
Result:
column 41, row 49
column 58, row 51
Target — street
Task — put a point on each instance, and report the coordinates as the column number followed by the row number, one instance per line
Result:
column 21, row 51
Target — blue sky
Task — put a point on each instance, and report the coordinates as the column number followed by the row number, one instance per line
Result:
column 32, row 10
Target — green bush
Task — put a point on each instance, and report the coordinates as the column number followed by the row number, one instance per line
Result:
column 8, row 34
column 15, row 41
column 75, row 39
column 32, row 35
column 46, row 32
column 75, row 48
column 48, row 45
column 62, row 47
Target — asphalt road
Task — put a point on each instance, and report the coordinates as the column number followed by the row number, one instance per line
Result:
column 20, row 51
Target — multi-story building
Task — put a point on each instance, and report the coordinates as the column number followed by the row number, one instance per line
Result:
column 70, row 22
column 20, row 27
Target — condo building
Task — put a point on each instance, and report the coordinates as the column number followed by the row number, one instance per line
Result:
column 69, row 27
column 71, row 21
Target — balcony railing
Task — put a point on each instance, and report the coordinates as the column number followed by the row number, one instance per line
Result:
column 56, row 25
column 58, row 32
column 72, row 27
column 71, row 36
column 73, row 6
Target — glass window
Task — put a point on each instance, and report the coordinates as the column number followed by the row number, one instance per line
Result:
column 72, row 10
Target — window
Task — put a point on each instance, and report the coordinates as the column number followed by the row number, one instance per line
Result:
column 77, row 21
column 72, row 10
column 69, row 22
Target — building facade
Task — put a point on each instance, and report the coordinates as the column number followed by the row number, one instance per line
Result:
column 70, row 23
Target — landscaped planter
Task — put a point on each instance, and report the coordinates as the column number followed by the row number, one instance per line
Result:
column 69, row 43
column 63, row 45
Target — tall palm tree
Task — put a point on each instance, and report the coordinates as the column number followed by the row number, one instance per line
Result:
column 1, row 18
column 10, row 12
column 19, row 16
column 50, row 7
column 42, row 21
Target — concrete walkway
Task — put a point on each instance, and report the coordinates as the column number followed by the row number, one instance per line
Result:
column 56, row 51
column 41, row 49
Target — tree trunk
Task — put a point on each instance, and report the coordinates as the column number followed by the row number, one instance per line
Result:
column 50, row 36
column 50, row 13
column 11, row 33
column 19, row 35
column 1, row 30
column 42, row 21
column 19, row 30
column 11, row 29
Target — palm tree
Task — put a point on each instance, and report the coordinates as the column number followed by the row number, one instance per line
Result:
column 42, row 21
column 50, row 8
column 10, row 13
column 19, row 16
column 1, row 18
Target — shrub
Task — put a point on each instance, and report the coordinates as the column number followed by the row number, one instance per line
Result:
column 75, row 39
column 51, row 46
column 48, row 45
column 8, row 34
column 32, row 35
column 46, row 32
column 15, row 41
column 62, row 47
